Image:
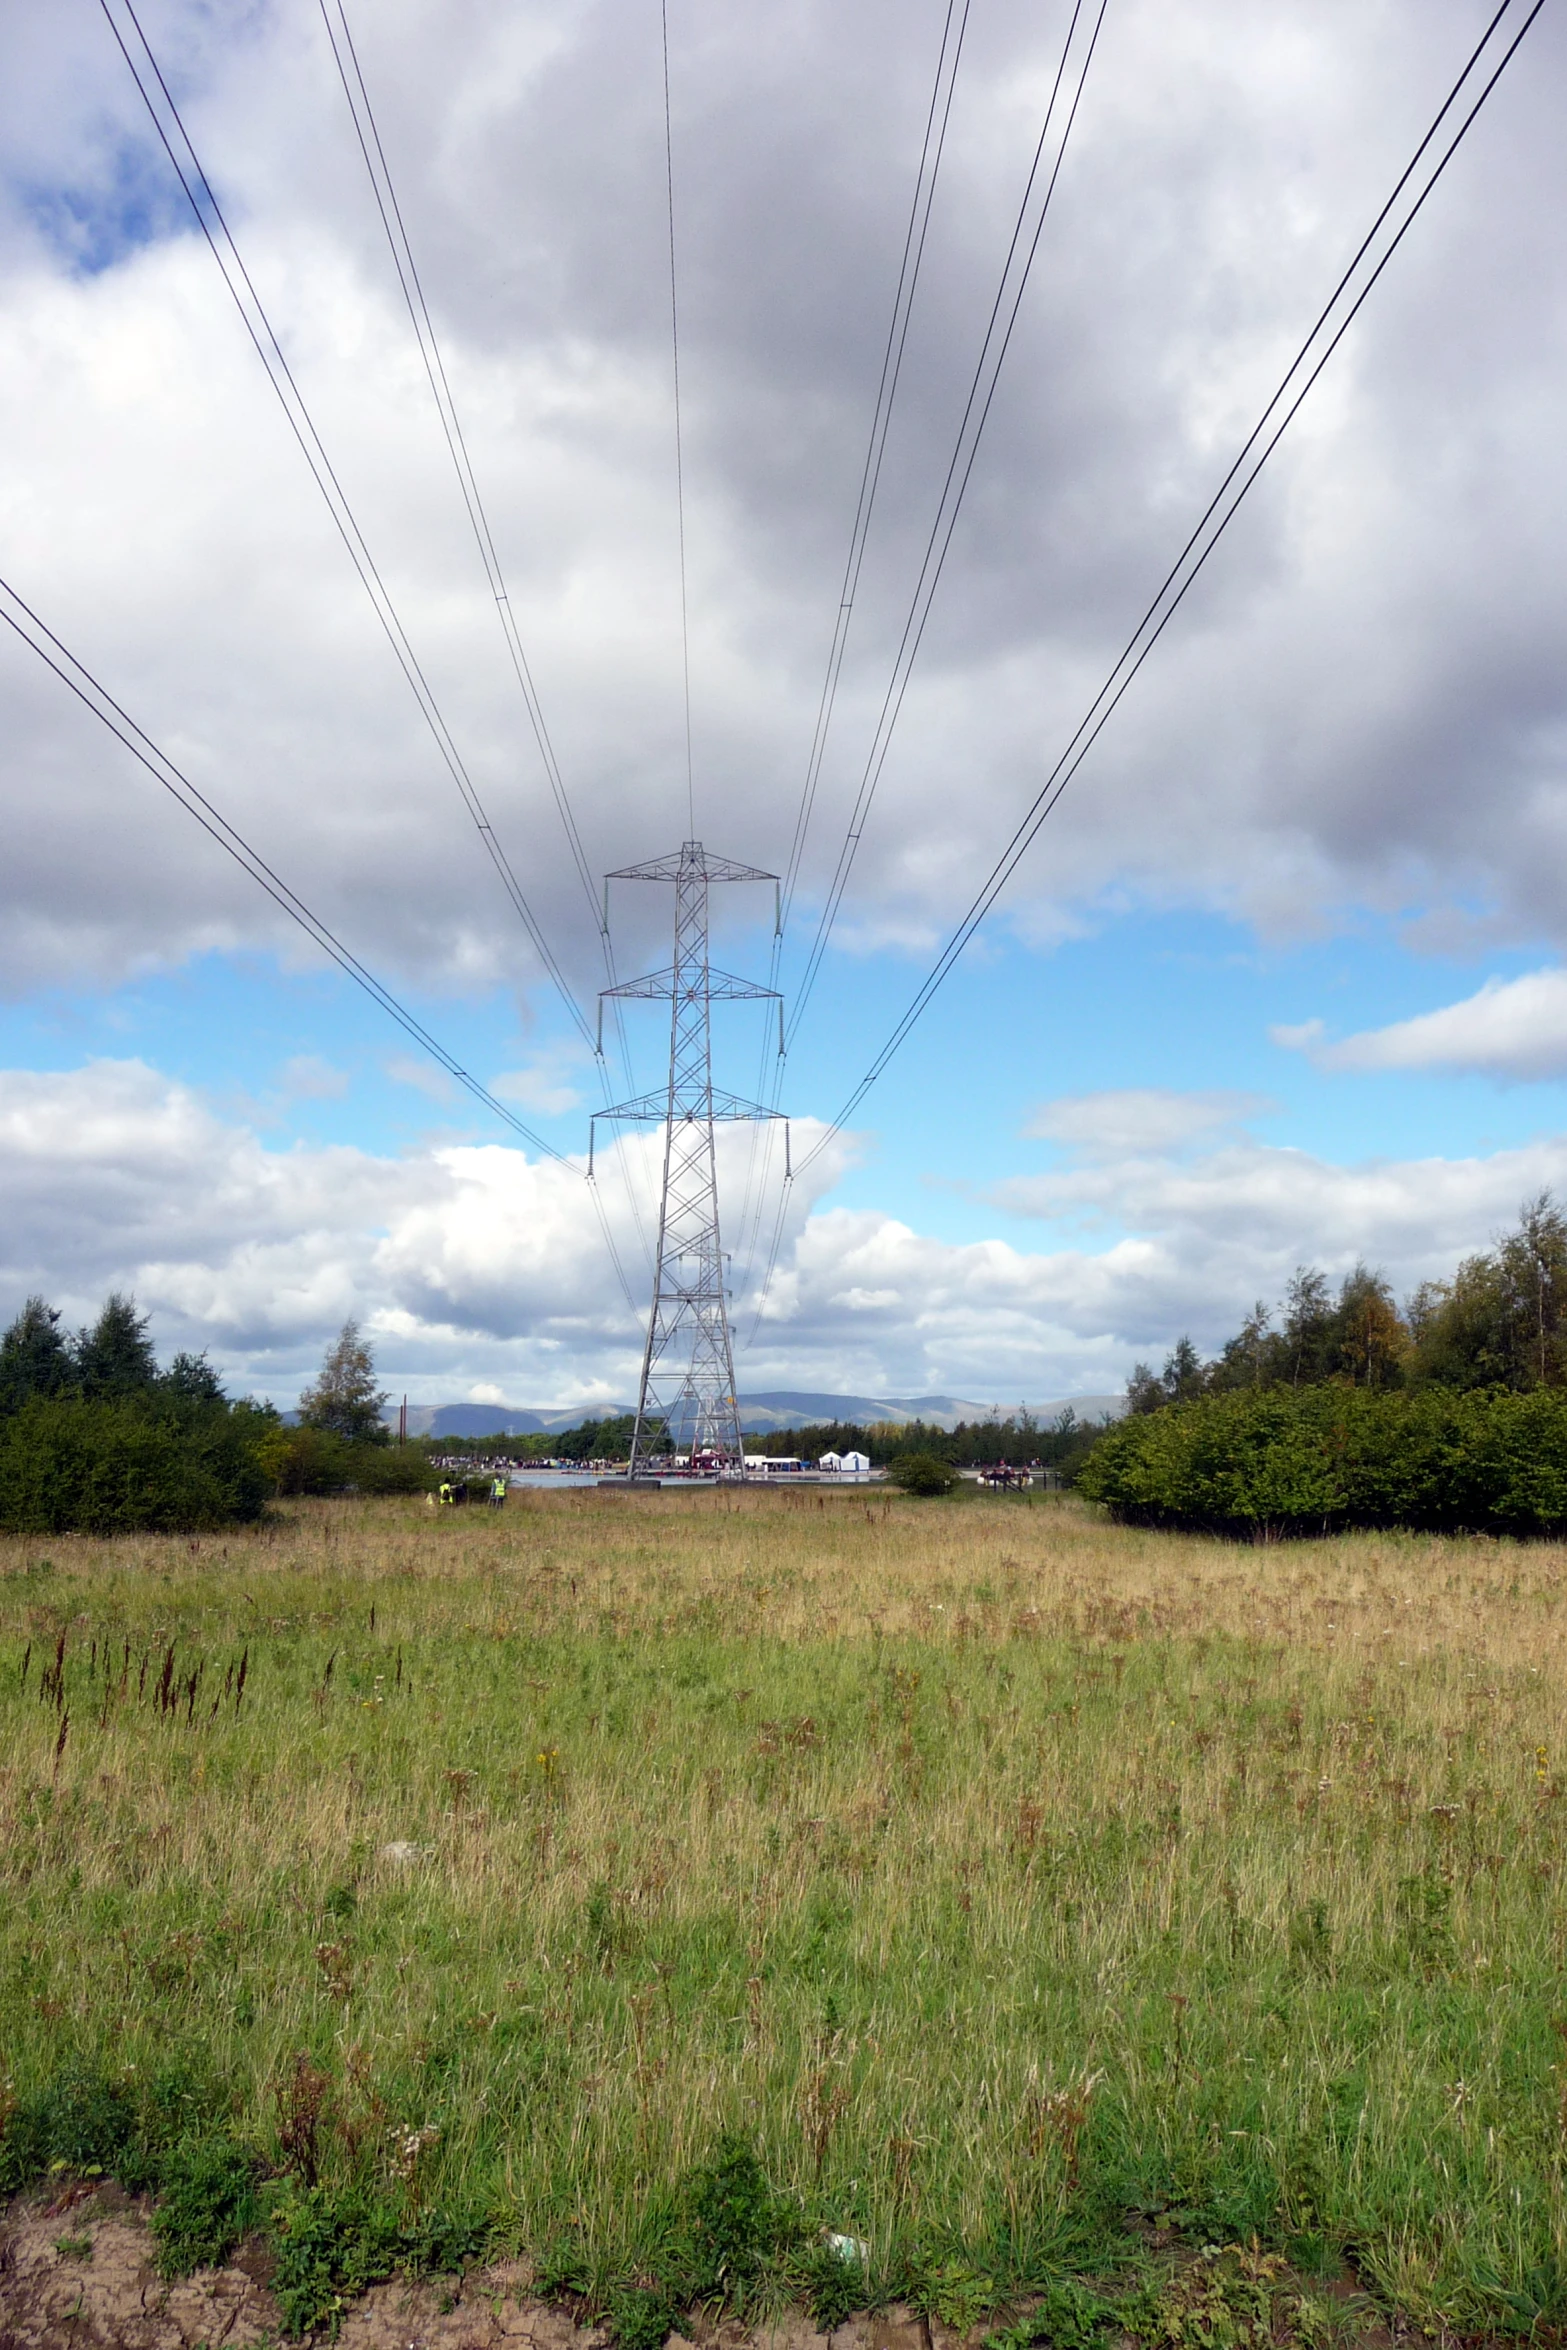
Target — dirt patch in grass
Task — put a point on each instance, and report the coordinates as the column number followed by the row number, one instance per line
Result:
column 79, row 2271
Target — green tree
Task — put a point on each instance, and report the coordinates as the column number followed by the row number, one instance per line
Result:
column 34, row 1358
column 923, row 1473
column 115, row 1357
column 1460, row 1328
column 1183, row 1377
column 193, row 1377
column 1308, row 1335
column 345, row 1400
column 1533, row 1262
column 1370, row 1337
column 1250, row 1358
column 1502, row 1319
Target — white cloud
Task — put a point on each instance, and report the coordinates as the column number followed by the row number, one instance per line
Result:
column 542, row 1084
column 1136, row 1119
column 477, row 1272
column 1511, row 1028
column 426, row 1077
column 307, row 1076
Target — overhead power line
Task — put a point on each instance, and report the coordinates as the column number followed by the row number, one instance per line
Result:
column 367, row 131
column 25, row 623
column 177, row 145
column 680, row 461
column 1028, row 228
column 20, row 617
column 936, row 119
column 937, row 115
column 383, row 187
column 1327, row 332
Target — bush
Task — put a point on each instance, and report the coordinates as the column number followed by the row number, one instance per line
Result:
column 391, row 1468
column 331, row 2246
column 303, row 1460
column 138, row 1465
column 89, row 2124
column 81, row 2119
column 922, row 1472
column 208, row 2202
column 314, row 1460
column 1295, row 1462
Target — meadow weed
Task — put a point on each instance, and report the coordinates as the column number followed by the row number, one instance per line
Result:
column 671, row 1891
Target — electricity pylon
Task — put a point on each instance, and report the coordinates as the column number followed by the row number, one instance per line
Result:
column 688, row 1372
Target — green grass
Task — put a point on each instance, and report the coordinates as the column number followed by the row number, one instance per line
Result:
column 991, row 1882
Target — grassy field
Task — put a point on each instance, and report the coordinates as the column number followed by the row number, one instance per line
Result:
column 1008, row 1882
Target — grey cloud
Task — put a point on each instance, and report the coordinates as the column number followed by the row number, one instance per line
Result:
column 471, row 1266
column 1362, row 704
column 1138, row 1119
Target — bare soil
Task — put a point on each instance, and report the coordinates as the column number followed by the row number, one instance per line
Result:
column 78, row 2272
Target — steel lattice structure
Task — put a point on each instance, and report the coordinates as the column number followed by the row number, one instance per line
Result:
column 688, row 1377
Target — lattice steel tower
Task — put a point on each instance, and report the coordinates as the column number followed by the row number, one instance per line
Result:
column 688, row 1373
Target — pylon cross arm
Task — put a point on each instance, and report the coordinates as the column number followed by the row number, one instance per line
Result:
column 720, row 987
column 724, row 1108
column 682, row 863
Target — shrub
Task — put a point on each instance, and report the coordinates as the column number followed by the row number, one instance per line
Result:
column 923, row 1473
column 734, row 2223
column 314, row 1460
column 391, row 1468
column 81, row 2119
column 127, row 1466
column 331, row 2246
column 1309, row 1461
column 208, row 2202
column 303, row 1460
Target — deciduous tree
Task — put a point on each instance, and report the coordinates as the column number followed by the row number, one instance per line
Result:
column 345, row 1400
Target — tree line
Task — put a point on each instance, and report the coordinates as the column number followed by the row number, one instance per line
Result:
column 1019, row 1438
column 1344, row 1408
column 109, row 1362
column 1499, row 1321
column 96, row 1436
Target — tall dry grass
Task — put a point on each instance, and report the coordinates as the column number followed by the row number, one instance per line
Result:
column 993, row 1870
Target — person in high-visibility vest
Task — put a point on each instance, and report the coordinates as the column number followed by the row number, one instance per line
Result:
column 447, row 1496
column 498, row 1494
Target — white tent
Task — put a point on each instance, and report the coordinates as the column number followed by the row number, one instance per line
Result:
column 830, row 1460
column 854, row 1464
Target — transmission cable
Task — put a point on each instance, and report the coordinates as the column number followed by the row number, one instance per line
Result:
column 89, row 690
column 680, row 467
column 383, row 187
column 1025, row 239
column 936, row 120
column 976, row 412
column 937, row 116
column 367, row 131
column 225, row 251
column 1220, row 512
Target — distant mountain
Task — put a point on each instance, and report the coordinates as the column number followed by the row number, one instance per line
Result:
column 788, row 1409
column 760, row 1415
column 499, row 1419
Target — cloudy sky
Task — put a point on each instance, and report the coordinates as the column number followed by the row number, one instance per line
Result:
column 1282, row 977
